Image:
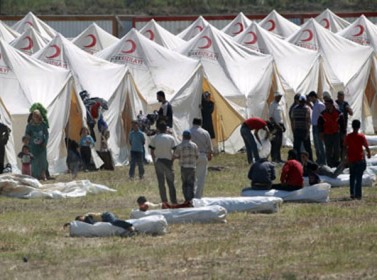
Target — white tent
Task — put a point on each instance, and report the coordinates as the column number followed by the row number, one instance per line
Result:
column 193, row 29
column 331, row 21
column 31, row 20
column 24, row 81
column 94, row 39
column 346, row 65
column 364, row 32
column 7, row 33
column 102, row 79
column 237, row 25
column 155, row 32
column 233, row 72
column 30, row 41
column 278, row 25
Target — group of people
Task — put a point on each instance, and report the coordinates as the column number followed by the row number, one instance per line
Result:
column 333, row 147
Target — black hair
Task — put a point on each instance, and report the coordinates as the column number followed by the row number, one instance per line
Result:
column 161, row 126
column 161, row 93
column 141, row 200
column 292, row 154
column 356, row 124
column 312, row 94
column 197, row 121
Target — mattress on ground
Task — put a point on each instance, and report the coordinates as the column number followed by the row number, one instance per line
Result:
column 155, row 225
column 257, row 204
column 207, row 214
column 316, row 193
column 343, row 180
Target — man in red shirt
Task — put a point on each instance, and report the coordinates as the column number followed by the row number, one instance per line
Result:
column 354, row 144
column 292, row 174
column 246, row 132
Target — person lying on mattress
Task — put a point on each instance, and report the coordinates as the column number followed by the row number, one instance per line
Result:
column 145, row 205
column 291, row 177
column 106, row 217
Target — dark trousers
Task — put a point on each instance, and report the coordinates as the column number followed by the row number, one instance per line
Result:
column 301, row 137
column 288, row 188
column 188, row 182
column 109, row 217
column 2, row 155
column 250, row 144
column 86, row 155
column 164, row 169
column 276, row 144
column 136, row 158
column 332, row 149
column 356, row 178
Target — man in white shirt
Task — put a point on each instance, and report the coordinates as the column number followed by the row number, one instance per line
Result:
column 276, row 118
column 202, row 139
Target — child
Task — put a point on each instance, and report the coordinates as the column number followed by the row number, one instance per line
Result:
column 86, row 143
column 73, row 157
column 137, row 141
column 26, row 158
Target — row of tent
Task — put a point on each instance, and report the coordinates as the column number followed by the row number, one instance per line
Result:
column 241, row 66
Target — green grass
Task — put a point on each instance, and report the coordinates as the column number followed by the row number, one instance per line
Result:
column 336, row 240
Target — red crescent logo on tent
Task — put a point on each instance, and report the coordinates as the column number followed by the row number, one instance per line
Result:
column 133, row 47
column 208, row 42
column 310, row 35
column 29, row 22
column 253, row 38
column 240, row 29
column 93, row 42
column 199, row 27
column 29, row 45
column 56, row 53
column 361, row 30
column 326, row 23
column 272, row 25
column 151, row 34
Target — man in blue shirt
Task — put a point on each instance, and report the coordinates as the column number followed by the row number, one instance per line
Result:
column 137, row 141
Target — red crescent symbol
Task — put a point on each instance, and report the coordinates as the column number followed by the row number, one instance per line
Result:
column 57, row 51
column 240, row 29
column 361, row 30
column 309, row 37
column 327, row 23
column 29, row 22
column 133, row 47
column 151, row 34
column 253, row 38
column 199, row 27
column 272, row 25
column 29, row 45
column 93, row 42
column 208, row 44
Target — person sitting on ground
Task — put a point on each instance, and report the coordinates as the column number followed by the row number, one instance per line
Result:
column 291, row 175
column 261, row 174
column 106, row 217
column 145, row 205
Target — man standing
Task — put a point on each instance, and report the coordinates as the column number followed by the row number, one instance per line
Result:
column 317, row 109
column 276, row 118
column 137, row 141
column 162, row 146
column 165, row 113
column 301, row 127
column 246, row 132
column 202, row 139
column 353, row 144
column 330, row 123
column 346, row 110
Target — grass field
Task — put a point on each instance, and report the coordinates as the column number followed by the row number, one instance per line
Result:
column 336, row 240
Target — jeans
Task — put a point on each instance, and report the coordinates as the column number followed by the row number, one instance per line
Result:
column 188, row 182
column 136, row 158
column 276, row 144
column 356, row 177
column 201, row 174
column 112, row 219
column 301, row 137
column 164, row 169
column 250, row 144
column 332, row 149
column 319, row 148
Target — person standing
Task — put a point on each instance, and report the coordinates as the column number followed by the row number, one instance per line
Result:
column 346, row 110
column 86, row 143
column 202, row 139
column 165, row 113
column 26, row 159
column 301, row 127
column 4, row 137
column 37, row 131
column 353, row 144
column 162, row 146
column 137, row 142
column 246, row 132
column 276, row 117
column 188, row 153
column 330, row 123
column 207, row 107
column 317, row 109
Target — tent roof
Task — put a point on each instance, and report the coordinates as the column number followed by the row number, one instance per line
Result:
column 278, row 25
column 30, row 41
column 331, row 21
column 31, row 20
column 156, row 33
column 193, row 29
column 94, row 39
column 7, row 33
column 237, row 25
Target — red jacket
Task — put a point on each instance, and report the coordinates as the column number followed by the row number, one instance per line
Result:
column 292, row 174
